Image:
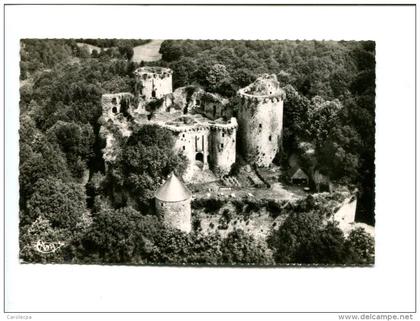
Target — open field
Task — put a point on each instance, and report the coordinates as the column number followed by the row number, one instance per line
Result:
column 148, row 51
column 89, row 47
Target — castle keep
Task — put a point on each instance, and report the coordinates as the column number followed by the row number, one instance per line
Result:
column 203, row 126
column 260, row 118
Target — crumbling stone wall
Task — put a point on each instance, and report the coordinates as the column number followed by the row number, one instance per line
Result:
column 175, row 214
column 188, row 99
column 260, row 119
column 153, row 82
column 213, row 106
column 193, row 142
column 210, row 145
column 115, row 104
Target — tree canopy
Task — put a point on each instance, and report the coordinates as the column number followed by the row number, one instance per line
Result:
column 63, row 204
column 147, row 158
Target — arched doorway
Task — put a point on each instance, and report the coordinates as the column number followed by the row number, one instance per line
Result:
column 199, row 157
column 199, row 160
column 124, row 106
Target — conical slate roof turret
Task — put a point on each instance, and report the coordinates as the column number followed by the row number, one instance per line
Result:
column 173, row 190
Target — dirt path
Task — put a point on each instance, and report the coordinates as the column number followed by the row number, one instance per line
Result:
column 148, row 51
column 346, row 214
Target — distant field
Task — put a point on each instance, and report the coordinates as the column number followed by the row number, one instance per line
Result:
column 148, row 52
column 89, row 47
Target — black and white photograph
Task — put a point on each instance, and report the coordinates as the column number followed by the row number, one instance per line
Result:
column 197, row 152
column 204, row 161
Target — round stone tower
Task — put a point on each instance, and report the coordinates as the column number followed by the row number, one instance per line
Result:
column 153, row 82
column 260, row 118
column 223, row 143
column 173, row 204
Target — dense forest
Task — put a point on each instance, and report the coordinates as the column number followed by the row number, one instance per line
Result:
column 67, row 197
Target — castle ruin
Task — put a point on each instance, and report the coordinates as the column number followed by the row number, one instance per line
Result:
column 202, row 124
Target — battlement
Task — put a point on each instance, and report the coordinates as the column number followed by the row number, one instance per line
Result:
column 259, row 99
column 265, row 89
column 150, row 72
column 186, row 123
column 222, row 126
column 178, row 129
column 106, row 98
column 197, row 122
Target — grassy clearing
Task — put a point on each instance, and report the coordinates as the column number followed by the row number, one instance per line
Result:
column 148, row 51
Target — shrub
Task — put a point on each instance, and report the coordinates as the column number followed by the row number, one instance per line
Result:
column 239, row 247
column 360, row 247
column 210, row 205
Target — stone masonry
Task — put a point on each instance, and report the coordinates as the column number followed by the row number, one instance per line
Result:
column 260, row 119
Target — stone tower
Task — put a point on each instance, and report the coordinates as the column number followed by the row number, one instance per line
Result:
column 223, row 145
column 207, row 144
column 173, row 204
column 260, row 119
column 153, row 82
